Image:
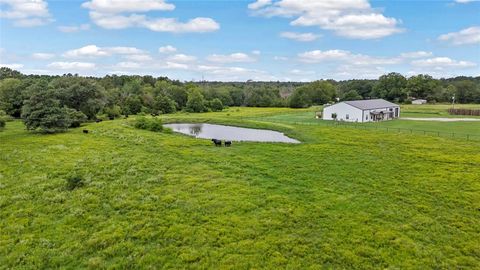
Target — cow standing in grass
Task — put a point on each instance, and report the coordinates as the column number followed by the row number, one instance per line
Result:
column 217, row 142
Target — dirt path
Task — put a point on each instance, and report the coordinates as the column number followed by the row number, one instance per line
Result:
column 442, row 119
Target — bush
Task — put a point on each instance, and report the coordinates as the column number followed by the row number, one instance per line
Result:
column 2, row 123
column 155, row 125
column 74, row 182
column 141, row 123
column 152, row 124
column 113, row 112
column 76, row 117
column 216, row 105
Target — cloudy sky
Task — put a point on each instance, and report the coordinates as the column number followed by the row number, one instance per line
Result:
column 284, row 40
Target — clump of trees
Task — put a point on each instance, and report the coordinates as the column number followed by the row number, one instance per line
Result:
column 56, row 103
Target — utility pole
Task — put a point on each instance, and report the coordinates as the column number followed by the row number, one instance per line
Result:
column 453, row 102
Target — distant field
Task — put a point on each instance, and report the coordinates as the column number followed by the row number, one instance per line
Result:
column 344, row 198
column 446, row 129
column 437, row 110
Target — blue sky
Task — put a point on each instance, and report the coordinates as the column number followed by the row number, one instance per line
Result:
column 299, row 40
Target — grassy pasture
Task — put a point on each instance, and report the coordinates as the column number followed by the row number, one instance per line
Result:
column 344, row 198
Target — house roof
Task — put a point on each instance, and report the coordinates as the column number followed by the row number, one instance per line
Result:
column 370, row 104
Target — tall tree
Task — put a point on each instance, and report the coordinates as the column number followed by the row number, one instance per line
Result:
column 196, row 101
column 42, row 111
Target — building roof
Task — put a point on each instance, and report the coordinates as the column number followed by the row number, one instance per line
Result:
column 370, row 104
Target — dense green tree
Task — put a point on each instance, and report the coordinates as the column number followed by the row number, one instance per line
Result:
column 196, row 101
column 114, row 111
column 132, row 105
column 299, row 99
column 11, row 96
column 467, row 92
column 352, row 95
column 44, row 112
column 421, row 86
column 76, row 117
column 9, row 73
column 164, row 104
column 391, row 86
column 216, row 105
column 81, row 94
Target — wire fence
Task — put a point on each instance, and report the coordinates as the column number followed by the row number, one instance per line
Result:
column 375, row 127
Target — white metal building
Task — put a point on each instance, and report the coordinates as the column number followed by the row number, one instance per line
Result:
column 362, row 111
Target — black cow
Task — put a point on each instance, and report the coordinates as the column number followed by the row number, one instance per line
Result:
column 98, row 120
column 85, row 131
column 228, row 143
column 217, row 142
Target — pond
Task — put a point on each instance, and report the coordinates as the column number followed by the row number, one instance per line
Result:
column 221, row 132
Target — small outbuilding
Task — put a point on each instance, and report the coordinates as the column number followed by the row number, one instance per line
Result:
column 419, row 101
column 371, row 110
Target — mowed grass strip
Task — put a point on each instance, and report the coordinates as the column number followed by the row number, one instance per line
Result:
column 344, row 198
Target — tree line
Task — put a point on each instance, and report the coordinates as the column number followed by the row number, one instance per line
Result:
column 56, row 103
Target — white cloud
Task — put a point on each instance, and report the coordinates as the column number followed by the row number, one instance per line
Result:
column 318, row 56
column 120, row 14
column 95, row 51
column 259, row 4
column 256, row 52
column 183, row 58
column 26, row 13
column 43, row 56
column 348, row 18
column 230, row 58
column 173, row 65
column 466, row 36
column 197, row 25
column 72, row 65
column 417, row 54
column 304, row 37
column 167, row 49
column 440, row 63
column 119, row 6
column 74, row 28
column 298, row 72
column 128, row 65
column 138, row 57
column 12, row 65
column 465, row 1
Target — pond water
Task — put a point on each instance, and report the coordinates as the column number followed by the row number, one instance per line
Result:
column 221, row 132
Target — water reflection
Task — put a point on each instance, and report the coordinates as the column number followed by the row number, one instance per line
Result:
column 221, row 132
column 195, row 129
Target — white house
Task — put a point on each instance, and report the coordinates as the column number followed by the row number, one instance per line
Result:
column 419, row 101
column 362, row 111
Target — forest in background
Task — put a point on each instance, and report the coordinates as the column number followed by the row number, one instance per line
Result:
column 53, row 103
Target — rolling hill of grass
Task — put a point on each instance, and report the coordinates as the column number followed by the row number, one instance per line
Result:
column 343, row 198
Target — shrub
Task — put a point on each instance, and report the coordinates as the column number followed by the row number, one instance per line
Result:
column 113, row 112
column 76, row 117
column 152, row 124
column 74, row 182
column 216, row 105
column 2, row 123
column 141, row 123
column 155, row 125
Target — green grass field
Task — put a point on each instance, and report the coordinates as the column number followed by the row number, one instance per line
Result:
column 345, row 198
